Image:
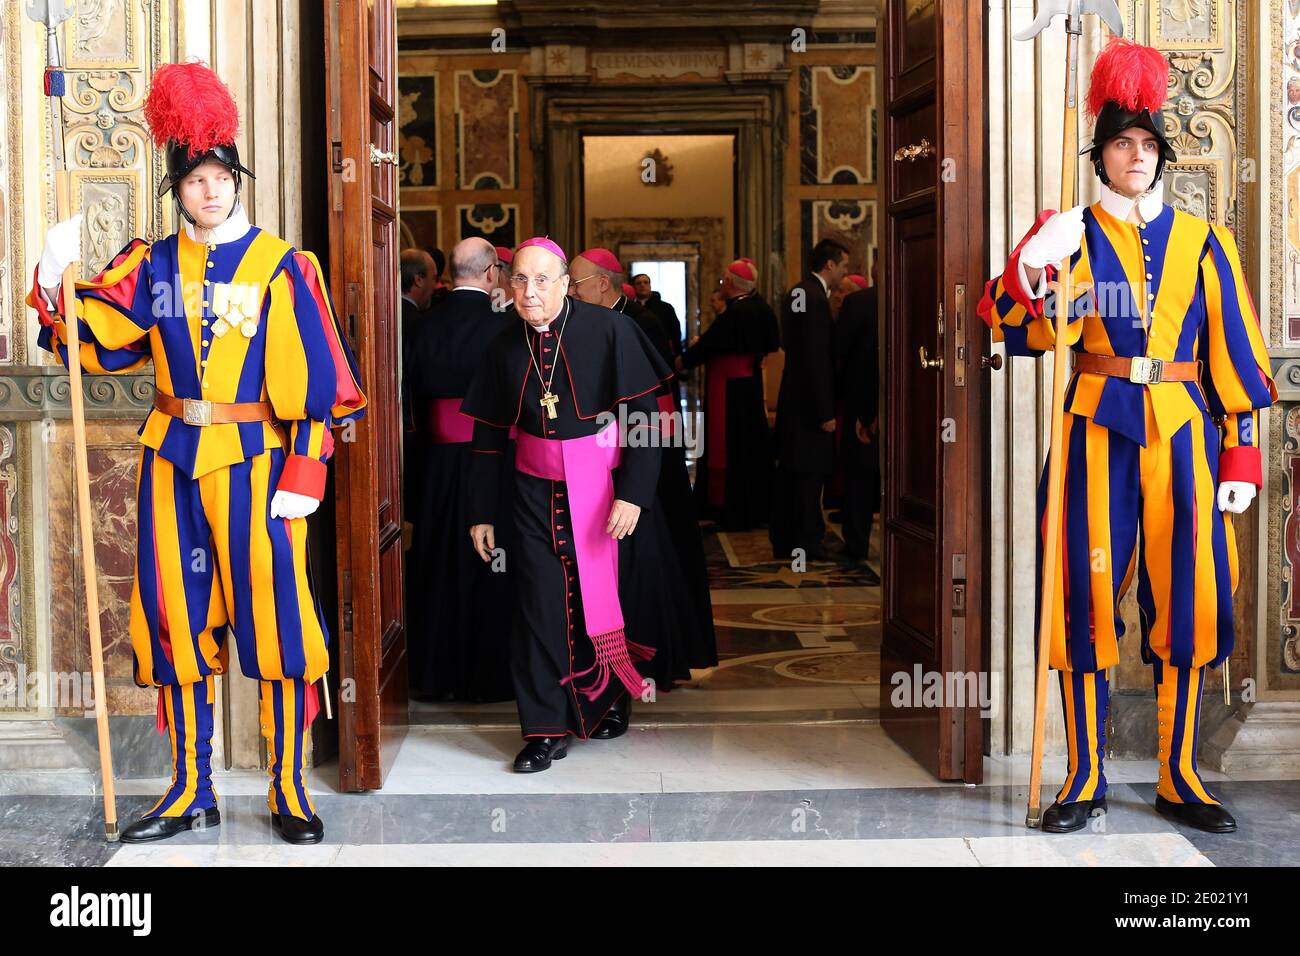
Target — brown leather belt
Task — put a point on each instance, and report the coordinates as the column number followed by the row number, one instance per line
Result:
column 1139, row 368
column 197, row 411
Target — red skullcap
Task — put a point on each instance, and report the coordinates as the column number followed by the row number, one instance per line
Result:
column 545, row 243
column 602, row 258
column 504, row 254
column 743, row 269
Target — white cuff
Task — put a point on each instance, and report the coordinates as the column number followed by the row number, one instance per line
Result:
column 1023, row 276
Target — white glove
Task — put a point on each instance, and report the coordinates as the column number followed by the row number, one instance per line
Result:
column 1058, row 238
column 62, row 248
column 1235, row 496
column 290, row 504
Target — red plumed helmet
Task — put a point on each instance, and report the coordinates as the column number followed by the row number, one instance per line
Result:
column 192, row 115
column 1132, row 75
column 189, row 104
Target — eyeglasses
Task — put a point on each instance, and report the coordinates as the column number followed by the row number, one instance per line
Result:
column 540, row 283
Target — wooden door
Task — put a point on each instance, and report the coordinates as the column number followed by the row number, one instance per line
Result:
column 360, row 46
column 934, row 419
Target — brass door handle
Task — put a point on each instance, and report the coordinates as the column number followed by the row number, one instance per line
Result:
column 914, row 151
column 927, row 362
column 378, row 157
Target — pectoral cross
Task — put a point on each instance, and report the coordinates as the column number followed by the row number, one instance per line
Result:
column 548, row 402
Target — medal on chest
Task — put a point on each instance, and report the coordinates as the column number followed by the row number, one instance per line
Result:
column 236, row 306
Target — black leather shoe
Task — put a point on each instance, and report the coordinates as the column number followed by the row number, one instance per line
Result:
column 163, row 828
column 296, row 831
column 1210, row 817
column 1068, row 817
column 615, row 722
column 869, row 576
column 539, row 752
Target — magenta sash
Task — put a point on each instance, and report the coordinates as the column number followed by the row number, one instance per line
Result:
column 586, row 465
column 447, row 426
column 718, row 372
column 667, row 405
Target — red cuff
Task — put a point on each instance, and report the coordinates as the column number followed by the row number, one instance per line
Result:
column 303, row 476
column 1011, row 275
column 1242, row 463
column 36, row 299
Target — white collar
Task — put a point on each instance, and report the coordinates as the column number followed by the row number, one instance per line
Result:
column 235, row 227
column 1149, row 204
column 472, row 288
column 563, row 305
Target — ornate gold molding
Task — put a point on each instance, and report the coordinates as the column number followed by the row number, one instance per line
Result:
column 1203, row 110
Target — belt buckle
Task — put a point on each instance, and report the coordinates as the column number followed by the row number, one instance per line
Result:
column 1146, row 371
column 197, row 411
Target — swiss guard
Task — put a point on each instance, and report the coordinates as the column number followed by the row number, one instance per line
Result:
column 1159, row 439
column 251, row 371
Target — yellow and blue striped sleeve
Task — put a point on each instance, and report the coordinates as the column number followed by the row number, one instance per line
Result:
column 311, row 375
column 1236, row 374
column 1023, row 320
column 114, row 312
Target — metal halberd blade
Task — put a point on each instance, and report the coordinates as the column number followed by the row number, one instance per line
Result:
column 49, row 12
column 1048, row 10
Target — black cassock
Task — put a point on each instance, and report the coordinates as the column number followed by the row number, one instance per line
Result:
column 805, row 453
column 697, row 645
column 459, row 609
column 736, row 487
column 600, row 362
column 857, row 352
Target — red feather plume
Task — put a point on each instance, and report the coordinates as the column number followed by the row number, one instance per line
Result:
column 1130, row 74
column 188, row 103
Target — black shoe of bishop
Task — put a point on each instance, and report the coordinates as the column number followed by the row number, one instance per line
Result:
column 615, row 722
column 1210, row 817
column 151, row 829
column 538, row 753
column 300, row 832
column 1068, row 817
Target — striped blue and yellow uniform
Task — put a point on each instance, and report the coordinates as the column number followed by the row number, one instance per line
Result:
column 244, row 320
column 1142, row 462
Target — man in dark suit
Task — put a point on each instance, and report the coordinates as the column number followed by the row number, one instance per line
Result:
column 664, row 311
column 805, row 412
column 857, row 353
column 419, row 280
column 458, row 608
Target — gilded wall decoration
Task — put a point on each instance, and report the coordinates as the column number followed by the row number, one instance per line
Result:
column 13, row 345
column 486, row 106
column 837, row 124
column 418, row 138
column 1281, row 660
column 112, row 48
column 15, row 652
column 498, row 223
column 1287, row 125
column 1204, row 109
column 850, row 221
